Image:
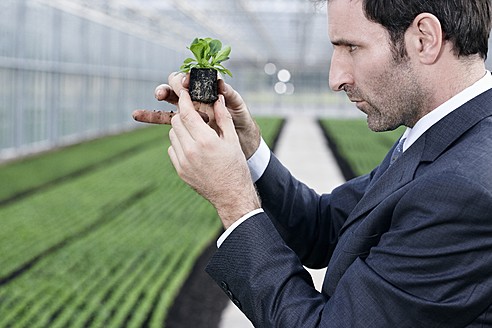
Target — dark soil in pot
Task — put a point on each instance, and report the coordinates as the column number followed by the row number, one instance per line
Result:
column 203, row 85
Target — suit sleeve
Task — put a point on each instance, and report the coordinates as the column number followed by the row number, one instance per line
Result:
column 432, row 269
column 309, row 223
column 265, row 278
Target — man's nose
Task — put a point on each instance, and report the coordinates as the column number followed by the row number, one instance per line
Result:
column 340, row 74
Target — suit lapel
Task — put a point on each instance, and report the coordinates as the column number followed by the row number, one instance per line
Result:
column 390, row 179
column 454, row 125
column 427, row 148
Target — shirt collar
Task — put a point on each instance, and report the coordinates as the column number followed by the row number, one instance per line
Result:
column 422, row 125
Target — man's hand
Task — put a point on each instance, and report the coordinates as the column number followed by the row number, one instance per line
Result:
column 211, row 161
column 246, row 127
column 165, row 92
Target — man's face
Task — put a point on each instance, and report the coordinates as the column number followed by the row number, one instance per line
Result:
column 363, row 65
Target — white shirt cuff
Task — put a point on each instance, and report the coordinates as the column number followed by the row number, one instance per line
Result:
column 229, row 230
column 259, row 161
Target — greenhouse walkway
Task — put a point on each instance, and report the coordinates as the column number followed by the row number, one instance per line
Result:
column 302, row 148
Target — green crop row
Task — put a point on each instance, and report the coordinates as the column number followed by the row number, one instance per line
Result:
column 37, row 171
column 362, row 148
column 107, row 248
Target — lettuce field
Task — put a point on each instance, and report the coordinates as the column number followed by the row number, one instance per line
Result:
column 360, row 147
column 101, row 234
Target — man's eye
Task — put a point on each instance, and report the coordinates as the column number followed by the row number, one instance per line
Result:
column 352, row 48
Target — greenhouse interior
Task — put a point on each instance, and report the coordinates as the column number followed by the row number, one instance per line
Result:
column 96, row 227
column 73, row 70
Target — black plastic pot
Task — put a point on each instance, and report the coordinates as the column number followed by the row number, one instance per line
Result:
column 203, row 85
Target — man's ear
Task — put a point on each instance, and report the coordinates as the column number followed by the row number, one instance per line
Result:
column 426, row 37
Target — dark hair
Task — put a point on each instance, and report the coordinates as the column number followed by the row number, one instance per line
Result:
column 465, row 23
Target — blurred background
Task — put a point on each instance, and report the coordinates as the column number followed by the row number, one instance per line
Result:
column 75, row 69
column 98, row 234
column 71, row 70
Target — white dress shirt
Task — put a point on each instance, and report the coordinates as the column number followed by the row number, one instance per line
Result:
column 260, row 159
column 422, row 125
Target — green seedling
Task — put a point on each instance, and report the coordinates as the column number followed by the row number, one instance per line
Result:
column 209, row 53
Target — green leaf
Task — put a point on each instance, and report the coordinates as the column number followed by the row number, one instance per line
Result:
column 220, row 61
column 195, row 41
column 215, row 46
column 224, row 70
column 185, row 68
column 197, row 48
column 206, row 52
column 223, row 54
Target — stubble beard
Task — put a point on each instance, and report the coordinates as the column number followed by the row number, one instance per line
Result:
column 400, row 100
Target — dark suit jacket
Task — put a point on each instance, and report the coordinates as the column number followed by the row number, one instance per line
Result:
column 409, row 245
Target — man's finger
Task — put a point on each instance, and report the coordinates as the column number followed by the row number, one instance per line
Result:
column 232, row 97
column 165, row 92
column 176, row 147
column 158, row 117
column 153, row 117
column 224, row 119
column 174, row 160
column 178, row 81
column 190, row 117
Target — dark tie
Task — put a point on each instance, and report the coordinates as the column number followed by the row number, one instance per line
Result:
column 397, row 151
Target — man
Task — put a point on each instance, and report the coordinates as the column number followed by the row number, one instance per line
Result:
column 408, row 245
